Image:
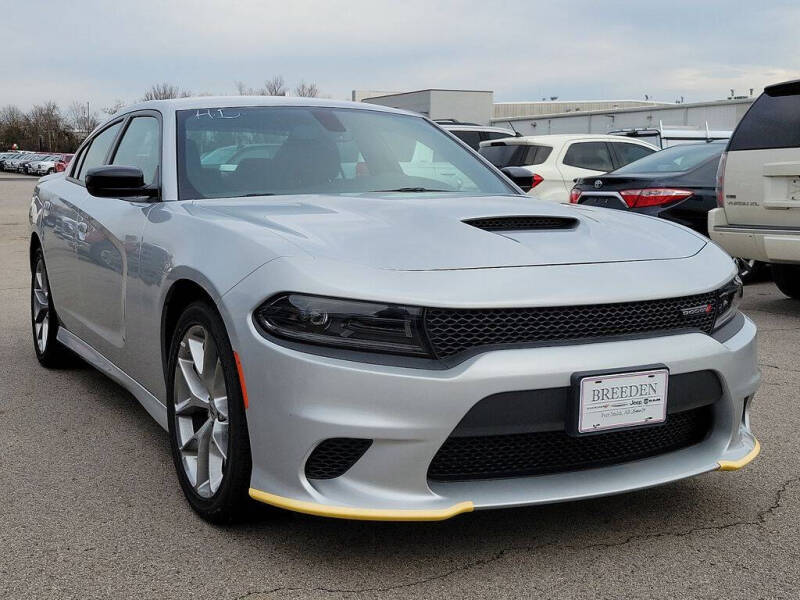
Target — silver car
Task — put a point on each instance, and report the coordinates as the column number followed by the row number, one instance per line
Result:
column 365, row 319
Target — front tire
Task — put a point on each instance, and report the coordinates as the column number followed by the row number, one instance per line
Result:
column 207, row 422
column 787, row 278
column 44, row 321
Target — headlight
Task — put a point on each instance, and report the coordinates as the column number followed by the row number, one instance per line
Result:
column 353, row 324
column 728, row 300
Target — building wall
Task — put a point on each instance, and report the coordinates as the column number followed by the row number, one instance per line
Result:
column 503, row 110
column 724, row 114
column 463, row 105
column 416, row 101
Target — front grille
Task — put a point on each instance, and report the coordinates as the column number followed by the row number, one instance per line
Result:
column 527, row 454
column 522, row 223
column 451, row 331
column 334, row 456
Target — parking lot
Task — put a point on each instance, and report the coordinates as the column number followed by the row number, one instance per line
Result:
column 91, row 507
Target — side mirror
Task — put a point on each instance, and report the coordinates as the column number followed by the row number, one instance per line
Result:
column 112, row 181
column 520, row 176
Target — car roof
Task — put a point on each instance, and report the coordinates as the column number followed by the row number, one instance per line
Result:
column 203, row 102
column 562, row 138
column 463, row 127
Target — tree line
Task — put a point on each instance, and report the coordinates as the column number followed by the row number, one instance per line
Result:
column 49, row 128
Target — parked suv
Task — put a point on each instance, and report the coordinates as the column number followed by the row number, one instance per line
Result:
column 473, row 134
column 546, row 166
column 758, row 187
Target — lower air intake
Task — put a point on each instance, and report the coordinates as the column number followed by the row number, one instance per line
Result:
column 334, row 456
column 526, row 454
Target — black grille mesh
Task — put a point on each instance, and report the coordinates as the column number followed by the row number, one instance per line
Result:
column 451, row 331
column 334, row 456
column 521, row 223
column 526, row 454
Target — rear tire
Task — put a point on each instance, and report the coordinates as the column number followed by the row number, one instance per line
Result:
column 787, row 278
column 207, row 422
column 44, row 320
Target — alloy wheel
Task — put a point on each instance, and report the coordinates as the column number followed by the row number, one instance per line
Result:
column 201, row 411
column 41, row 307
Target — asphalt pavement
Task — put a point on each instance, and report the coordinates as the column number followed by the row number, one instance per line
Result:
column 90, row 506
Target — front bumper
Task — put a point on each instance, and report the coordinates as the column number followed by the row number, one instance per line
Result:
column 297, row 399
column 764, row 243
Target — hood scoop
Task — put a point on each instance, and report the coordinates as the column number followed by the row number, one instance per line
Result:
column 522, row 223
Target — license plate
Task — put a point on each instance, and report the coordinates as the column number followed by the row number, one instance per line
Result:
column 622, row 400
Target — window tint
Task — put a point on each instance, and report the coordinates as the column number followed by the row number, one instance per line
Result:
column 495, row 135
column 676, row 159
column 627, row 153
column 140, row 147
column 98, row 151
column 772, row 122
column 471, row 138
column 537, row 154
column 515, row 155
column 589, row 155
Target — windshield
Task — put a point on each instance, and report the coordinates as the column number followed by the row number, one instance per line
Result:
column 673, row 160
column 249, row 151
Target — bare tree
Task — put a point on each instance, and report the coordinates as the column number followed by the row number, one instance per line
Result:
column 165, row 91
column 275, row 86
column 81, row 118
column 244, row 90
column 113, row 107
column 307, row 90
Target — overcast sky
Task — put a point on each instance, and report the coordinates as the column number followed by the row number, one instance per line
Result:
column 574, row 49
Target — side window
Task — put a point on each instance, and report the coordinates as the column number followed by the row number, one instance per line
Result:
column 471, row 138
column 97, row 152
column 76, row 163
column 140, row 147
column 537, row 154
column 496, row 135
column 627, row 153
column 589, row 155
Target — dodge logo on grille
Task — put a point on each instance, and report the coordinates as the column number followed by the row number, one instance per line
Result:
column 703, row 309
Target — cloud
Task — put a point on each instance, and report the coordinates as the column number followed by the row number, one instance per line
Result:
column 575, row 49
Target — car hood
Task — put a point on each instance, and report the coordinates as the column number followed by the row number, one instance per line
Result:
column 422, row 233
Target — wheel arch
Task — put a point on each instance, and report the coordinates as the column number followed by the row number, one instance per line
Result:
column 35, row 244
column 181, row 294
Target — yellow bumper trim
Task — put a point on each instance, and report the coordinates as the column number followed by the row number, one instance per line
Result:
column 362, row 514
column 734, row 465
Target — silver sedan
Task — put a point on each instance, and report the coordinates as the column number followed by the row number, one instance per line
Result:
column 340, row 309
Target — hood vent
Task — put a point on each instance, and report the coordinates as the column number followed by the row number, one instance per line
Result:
column 522, row 223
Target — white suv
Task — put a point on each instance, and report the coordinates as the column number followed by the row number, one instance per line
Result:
column 758, row 187
column 546, row 166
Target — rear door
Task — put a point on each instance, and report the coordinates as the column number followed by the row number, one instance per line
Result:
column 762, row 169
column 60, row 228
column 624, row 153
column 584, row 159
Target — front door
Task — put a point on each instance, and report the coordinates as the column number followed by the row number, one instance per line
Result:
column 109, row 242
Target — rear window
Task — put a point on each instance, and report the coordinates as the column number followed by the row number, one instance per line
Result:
column 515, row 155
column 772, row 122
column 676, row 159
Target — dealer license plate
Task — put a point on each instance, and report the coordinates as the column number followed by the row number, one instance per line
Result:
column 622, row 400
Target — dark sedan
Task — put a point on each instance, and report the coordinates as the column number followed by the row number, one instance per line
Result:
column 677, row 184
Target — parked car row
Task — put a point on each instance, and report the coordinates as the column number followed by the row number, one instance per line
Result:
column 34, row 163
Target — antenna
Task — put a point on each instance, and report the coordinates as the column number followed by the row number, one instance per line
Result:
column 516, row 133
